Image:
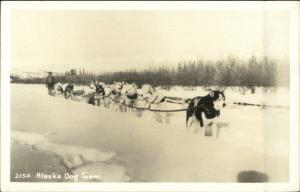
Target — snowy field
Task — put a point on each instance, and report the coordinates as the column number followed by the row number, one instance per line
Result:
column 145, row 146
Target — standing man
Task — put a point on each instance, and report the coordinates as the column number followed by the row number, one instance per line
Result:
column 50, row 81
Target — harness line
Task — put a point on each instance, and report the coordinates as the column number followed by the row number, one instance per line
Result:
column 144, row 108
column 173, row 110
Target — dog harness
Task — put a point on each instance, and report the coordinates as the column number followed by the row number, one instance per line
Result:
column 134, row 96
column 99, row 90
column 114, row 92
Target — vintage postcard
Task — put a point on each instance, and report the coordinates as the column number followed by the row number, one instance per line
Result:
column 150, row 96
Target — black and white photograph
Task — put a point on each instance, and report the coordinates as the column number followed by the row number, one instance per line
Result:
column 137, row 93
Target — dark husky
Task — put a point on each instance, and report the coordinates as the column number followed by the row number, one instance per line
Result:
column 207, row 107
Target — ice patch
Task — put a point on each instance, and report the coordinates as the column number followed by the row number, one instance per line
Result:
column 28, row 138
column 74, row 156
column 79, row 160
column 107, row 172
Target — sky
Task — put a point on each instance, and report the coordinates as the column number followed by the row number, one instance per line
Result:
column 102, row 41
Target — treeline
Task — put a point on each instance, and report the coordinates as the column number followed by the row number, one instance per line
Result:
column 79, row 72
column 75, row 79
column 227, row 72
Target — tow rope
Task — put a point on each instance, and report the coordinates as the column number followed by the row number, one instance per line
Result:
column 145, row 108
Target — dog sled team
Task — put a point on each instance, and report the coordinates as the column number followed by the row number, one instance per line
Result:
column 119, row 92
column 202, row 111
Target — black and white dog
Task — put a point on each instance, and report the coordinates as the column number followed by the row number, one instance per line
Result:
column 205, row 110
column 69, row 91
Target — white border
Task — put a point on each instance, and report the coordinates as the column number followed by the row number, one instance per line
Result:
column 292, row 7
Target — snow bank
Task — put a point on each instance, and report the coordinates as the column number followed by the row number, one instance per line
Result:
column 78, row 159
column 28, row 138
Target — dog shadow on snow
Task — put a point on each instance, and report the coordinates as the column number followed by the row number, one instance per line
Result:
column 220, row 126
column 162, row 117
column 167, row 118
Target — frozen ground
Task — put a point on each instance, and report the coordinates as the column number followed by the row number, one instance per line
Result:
column 150, row 146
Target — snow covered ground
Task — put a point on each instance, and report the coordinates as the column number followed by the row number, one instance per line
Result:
column 276, row 97
column 151, row 146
